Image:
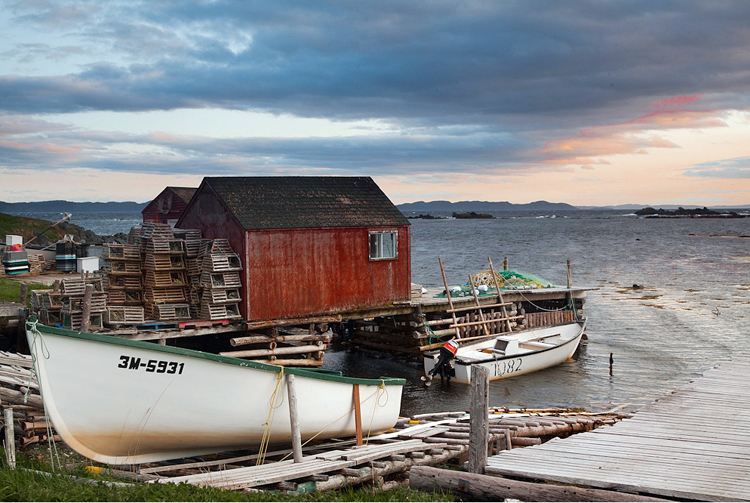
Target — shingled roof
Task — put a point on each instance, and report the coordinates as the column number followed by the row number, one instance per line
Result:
column 184, row 193
column 305, row 202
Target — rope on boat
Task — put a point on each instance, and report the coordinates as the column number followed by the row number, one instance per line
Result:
column 382, row 391
column 377, row 395
column 269, row 422
column 31, row 325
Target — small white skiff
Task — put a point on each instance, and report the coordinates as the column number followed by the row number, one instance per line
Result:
column 119, row 401
column 508, row 355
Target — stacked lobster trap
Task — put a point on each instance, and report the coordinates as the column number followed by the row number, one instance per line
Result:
column 124, row 287
column 220, row 279
column 165, row 274
column 72, row 296
column 171, row 275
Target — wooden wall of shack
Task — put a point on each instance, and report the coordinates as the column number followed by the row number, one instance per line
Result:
column 321, row 271
column 289, row 273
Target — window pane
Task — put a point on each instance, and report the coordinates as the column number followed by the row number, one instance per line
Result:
column 374, row 245
column 389, row 245
column 383, row 245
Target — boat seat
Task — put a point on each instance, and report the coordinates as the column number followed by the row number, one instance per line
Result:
column 538, row 345
column 508, row 346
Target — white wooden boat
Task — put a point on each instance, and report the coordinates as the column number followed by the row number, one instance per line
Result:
column 508, row 355
column 119, row 401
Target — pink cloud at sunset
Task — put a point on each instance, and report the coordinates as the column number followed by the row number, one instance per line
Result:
column 677, row 101
column 630, row 137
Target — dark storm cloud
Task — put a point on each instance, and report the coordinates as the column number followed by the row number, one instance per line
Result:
column 436, row 62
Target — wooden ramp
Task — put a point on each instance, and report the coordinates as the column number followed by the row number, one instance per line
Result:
column 693, row 444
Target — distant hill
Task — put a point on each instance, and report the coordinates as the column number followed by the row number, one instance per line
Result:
column 481, row 206
column 71, row 207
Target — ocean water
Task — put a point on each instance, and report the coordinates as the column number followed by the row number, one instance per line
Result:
column 691, row 314
column 102, row 224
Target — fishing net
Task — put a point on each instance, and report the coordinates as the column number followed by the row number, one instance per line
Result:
column 514, row 280
column 508, row 280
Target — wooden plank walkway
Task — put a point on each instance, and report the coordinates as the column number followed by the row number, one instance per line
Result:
column 693, row 444
column 253, row 476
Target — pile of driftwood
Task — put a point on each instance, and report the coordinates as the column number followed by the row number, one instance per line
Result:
column 19, row 391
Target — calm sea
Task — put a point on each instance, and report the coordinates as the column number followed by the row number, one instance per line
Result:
column 691, row 314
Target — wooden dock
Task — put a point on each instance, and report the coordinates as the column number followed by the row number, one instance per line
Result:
column 677, row 447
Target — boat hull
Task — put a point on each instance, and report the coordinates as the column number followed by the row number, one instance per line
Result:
column 128, row 402
column 511, row 365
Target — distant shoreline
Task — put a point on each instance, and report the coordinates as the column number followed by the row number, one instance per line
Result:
column 423, row 207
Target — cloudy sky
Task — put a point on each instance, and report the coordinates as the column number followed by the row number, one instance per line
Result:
column 584, row 102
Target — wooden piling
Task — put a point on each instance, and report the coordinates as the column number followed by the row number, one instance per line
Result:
column 294, row 419
column 357, row 413
column 479, row 423
column 24, row 293
column 10, row 439
column 86, row 314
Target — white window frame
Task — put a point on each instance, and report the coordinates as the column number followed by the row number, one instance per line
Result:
column 376, row 241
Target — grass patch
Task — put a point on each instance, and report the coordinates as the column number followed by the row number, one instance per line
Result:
column 28, row 227
column 33, row 480
column 10, row 290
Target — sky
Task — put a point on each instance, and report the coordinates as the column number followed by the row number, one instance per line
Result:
column 590, row 103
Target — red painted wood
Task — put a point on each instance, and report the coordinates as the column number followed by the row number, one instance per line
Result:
column 301, row 272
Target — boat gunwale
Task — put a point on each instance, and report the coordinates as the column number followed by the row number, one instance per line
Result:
column 191, row 353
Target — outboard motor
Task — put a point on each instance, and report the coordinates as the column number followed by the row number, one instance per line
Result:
column 444, row 364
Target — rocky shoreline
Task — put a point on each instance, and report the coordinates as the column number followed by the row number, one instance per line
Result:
column 681, row 212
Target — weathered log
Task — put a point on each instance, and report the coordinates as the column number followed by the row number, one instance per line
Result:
column 257, row 339
column 294, row 362
column 294, row 418
column 34, row 425
column 86, row 314
column 479, row 432
column 476, row 487
column 401, row 338
column 10, row 444
column 292, row 350
column 525, row 441
column 17, row 397
column 253, row 325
